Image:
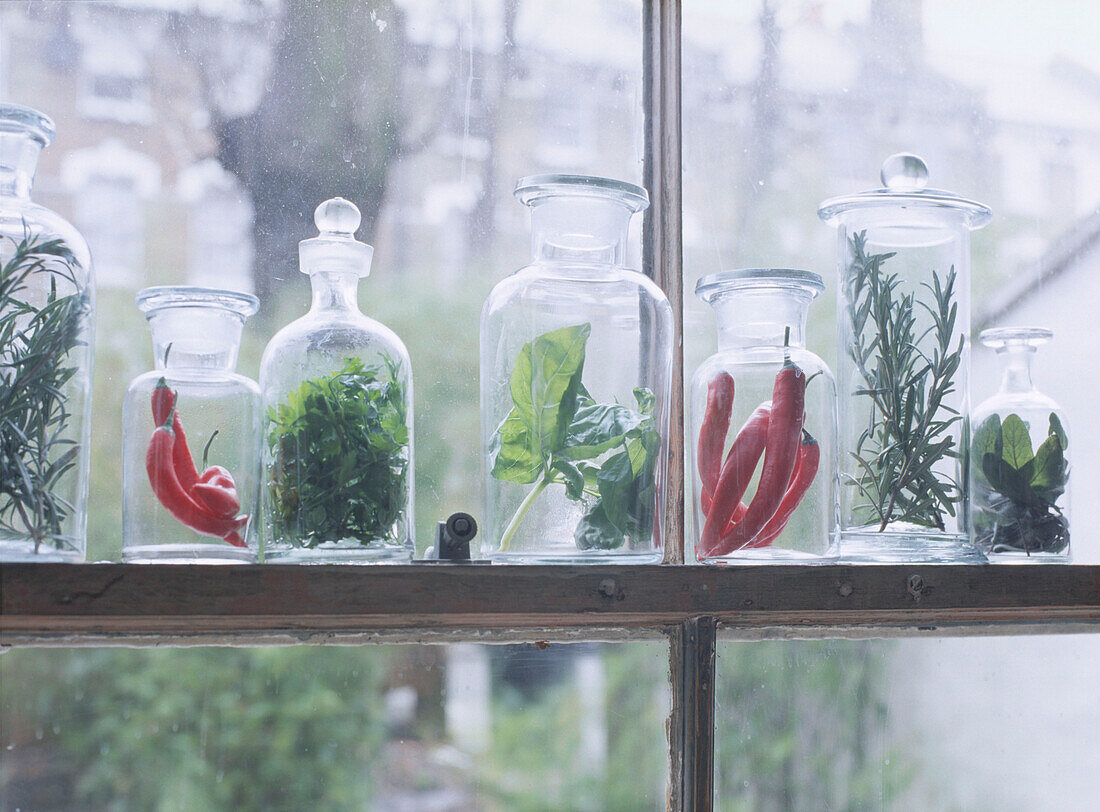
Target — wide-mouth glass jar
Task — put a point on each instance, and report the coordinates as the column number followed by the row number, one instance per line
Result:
column 190, row 434
column 1019, row 461
column 576, row 356
column 903, row 365
column 763, row 430
column 47, row 302
column 338, row 418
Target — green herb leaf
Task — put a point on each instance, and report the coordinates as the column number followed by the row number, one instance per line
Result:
column 1057, row 430
column 545, row 382
column 647, row 401
column 574, row 479
column 596, row 532
column 1016, row 441
column 987, row 439
column 597, row 429
column 1048, row 477
column 514, row 451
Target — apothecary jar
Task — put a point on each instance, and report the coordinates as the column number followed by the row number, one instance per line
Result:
column 191, row 434
column 763, row 425
column 576, row 356
column 47, row 300
column 338, row 418
column 1019, row 461
column 903, row 365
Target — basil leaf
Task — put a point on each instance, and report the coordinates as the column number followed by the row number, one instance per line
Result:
column 574, row 479
column 1048, row 475
column 596, row 532
column 1056, row 430
column 613, row 481
column 597, row 429
column 647, row 401
column 545, row 382
column 514, row 451
column 987, row 439
column 1016, row 442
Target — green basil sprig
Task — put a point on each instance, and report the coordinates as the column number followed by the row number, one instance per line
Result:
column 603, row 454
column 1021, row 513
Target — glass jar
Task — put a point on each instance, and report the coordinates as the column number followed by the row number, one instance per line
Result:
column 576, row 357
column 47, row 300
column 191, row 434
column 1019, row 461
column 903, row 366
column 337, row 398
column 763, row 397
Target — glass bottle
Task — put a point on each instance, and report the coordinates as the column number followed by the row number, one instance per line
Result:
column 1019, row 461
column 762, row 362
column 337, row 398
column 576, row 356
column 200, row 507
column 903, row 366
column 47, row 301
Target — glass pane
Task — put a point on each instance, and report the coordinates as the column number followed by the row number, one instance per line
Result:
column 968, row 723
column 788, row 102
column 196, row 139
column 462, row 726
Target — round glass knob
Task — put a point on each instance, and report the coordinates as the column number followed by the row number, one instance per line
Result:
column 337, row 216
column 904, row 172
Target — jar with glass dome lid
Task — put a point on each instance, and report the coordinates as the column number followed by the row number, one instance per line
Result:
column 47, row 300
column 338, row 418
column 576, row 359
column 763, row 424
column 903, row 365
column 1019, row 461
column 191, row 434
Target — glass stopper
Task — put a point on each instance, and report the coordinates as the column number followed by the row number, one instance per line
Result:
column 904, row 171
column 337, row 216
column 998, row 338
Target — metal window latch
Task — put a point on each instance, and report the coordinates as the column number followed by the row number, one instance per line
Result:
column 452, row 541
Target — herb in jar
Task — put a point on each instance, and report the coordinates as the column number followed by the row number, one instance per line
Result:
column 341, row 457
column 604, row 454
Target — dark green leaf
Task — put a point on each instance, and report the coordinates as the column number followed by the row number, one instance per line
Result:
column 514, row 451
column 1057, row 430
column 1048, row 471
column 597, row 429
column 596, row 532
column 574, row 479
column 1016, row 442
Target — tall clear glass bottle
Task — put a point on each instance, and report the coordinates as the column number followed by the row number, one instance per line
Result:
column 47, row 302
column 576, row 357
column 338, row 417
column 903, row 366
column 767, row 468
column 191, row 434
column 1019, row 471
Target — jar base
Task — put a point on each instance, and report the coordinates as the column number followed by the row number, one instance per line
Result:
column 580, row 558
column 905, row 546
column 187, row 554
column 339, row 555
column 22, row 551
column 1033, row 558
column 755, row 557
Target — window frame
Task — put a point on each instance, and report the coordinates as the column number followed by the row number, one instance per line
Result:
column 689, row 606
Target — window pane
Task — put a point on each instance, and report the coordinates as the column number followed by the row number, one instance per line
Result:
column 195, row 140
column 978, row 723
column 463, row 726
column 788, row 102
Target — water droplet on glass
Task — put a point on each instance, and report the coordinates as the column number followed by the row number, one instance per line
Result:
column 904, row 172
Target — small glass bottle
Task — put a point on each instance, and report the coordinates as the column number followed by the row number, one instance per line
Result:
column 47, row 302
column 190, row 434
column 576, row 357
column 337, row 398
column 903, row 366
column 1019, row 461
column 763, row 466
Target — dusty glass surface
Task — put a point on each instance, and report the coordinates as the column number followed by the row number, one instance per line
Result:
column 969, row 723
column 440, row 727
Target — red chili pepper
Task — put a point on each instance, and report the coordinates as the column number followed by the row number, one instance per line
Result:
column 805, row 469
column 784, row 432
column 171, row 494
column 218, row 499
column 734, row 479
column 163, row 402
column 712, row 434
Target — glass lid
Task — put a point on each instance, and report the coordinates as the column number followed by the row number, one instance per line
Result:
column 536, row 187
column 15, row 118
column 788, row 278
column 904, row 183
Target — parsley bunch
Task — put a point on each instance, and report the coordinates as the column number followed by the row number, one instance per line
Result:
column 341, row 456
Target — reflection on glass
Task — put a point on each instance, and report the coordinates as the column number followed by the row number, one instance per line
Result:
column 450, row 727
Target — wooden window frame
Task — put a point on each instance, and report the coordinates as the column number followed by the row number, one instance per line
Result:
column 690, row 606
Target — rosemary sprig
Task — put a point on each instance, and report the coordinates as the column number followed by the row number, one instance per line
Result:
column 910, row 425
column 37, row 333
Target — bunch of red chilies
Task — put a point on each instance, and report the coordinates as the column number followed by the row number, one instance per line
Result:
column 206, row 502
column 791, row 458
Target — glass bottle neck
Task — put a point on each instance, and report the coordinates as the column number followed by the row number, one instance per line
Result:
column 190, row 337
column 579, row 230
column 334, row 291
column 760, row 318
column 1016, row 368
column 18, row 161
